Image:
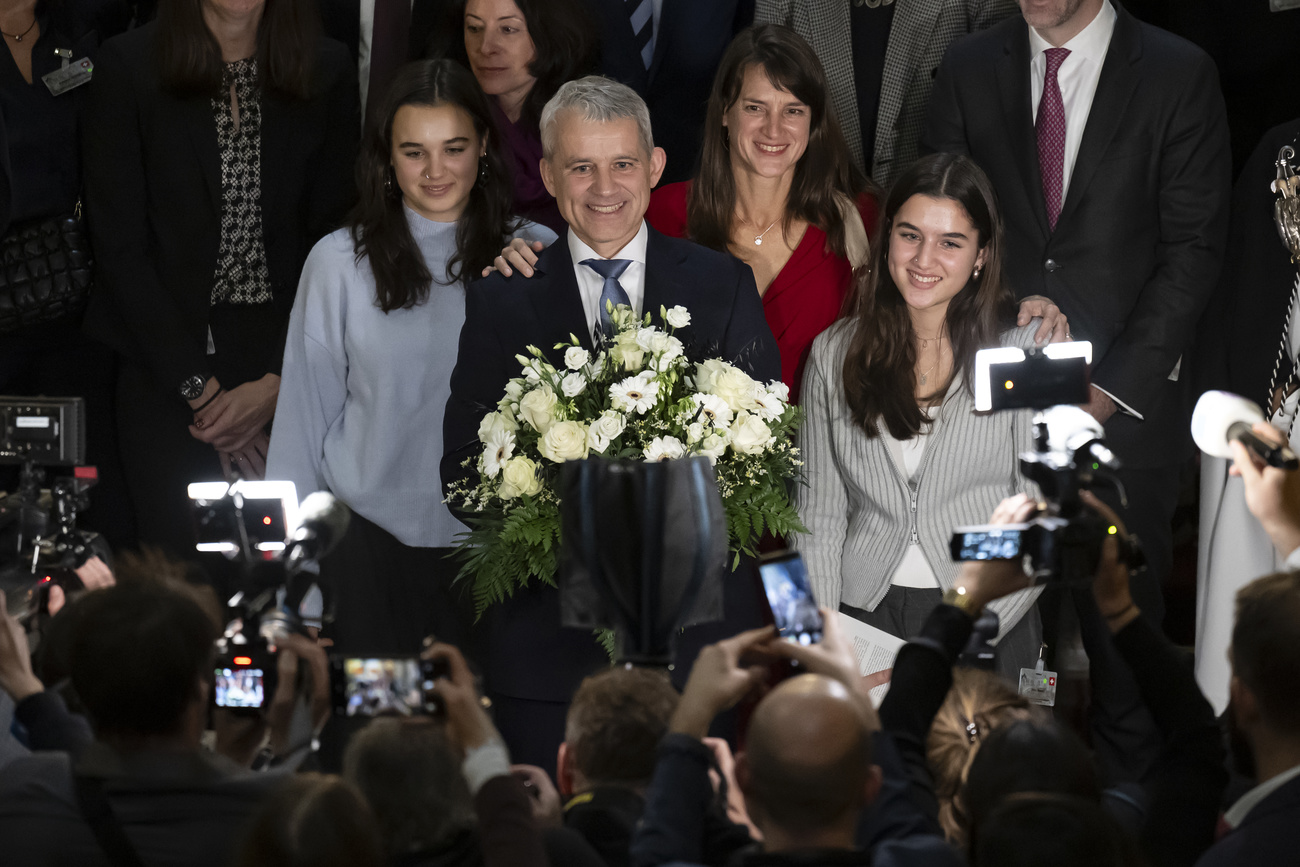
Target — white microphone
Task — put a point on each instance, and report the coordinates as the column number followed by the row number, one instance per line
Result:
column 1221, row 417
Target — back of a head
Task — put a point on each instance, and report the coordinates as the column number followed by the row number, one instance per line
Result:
column 1060, row 830
column 615, row 723
column 136, row 654
column 410, row 775
column 1266, row 647
column 978, row 703
column 1027, row 756
column 807, row 757
column 312, row 820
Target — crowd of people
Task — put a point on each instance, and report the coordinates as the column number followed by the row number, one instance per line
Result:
column 322, row 232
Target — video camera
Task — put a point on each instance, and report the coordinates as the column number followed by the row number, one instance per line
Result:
column 40, row 545
column 1063, row 543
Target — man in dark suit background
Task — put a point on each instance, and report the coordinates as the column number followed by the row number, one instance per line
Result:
column 668, row 52
column 600, row 163
column 1107, row 142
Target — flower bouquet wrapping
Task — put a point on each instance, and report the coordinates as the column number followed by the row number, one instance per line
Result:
column 637, row 397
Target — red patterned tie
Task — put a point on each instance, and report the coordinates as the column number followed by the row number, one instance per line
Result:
column 1051, row 135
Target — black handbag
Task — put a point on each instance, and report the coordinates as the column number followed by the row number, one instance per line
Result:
column 46, row 271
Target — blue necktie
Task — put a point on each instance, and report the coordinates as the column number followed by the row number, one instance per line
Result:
column 641, row 14
column 610, row 270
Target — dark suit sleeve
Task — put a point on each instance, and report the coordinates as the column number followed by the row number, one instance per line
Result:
column 945, row 127
column 749, row 342
column 116, row 203
column 477, row 382
column 986, row 13
column 1195, row 184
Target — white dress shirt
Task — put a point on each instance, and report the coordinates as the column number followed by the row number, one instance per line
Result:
column 590, row 283
column 1077, row 78
column 365, row 34
column 1238, row 812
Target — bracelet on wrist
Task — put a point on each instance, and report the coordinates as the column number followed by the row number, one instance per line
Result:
column 1132, row 606
column 205, row 403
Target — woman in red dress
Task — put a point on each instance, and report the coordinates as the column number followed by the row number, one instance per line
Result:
column 776, row 188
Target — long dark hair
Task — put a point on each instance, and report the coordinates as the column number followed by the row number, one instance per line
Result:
column 189, row 58
column 879, row 366
column 564, row 39
column 824, row 172
column 379, row 228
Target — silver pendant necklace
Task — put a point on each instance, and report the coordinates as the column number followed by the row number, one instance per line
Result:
column 758, row 239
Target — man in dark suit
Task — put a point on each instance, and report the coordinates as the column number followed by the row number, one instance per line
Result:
column 1107, row 142
column 600, row 164
column 668, row 51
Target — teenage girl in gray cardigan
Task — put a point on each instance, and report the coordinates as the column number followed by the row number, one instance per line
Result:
column 895, row 454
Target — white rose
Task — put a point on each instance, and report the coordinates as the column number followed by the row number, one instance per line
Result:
column 573, row 384
column 694, row 433
column 706, row 372
column 575, row 357
column 495, row 422
column 678, row 317
column 664, row 449
column 538, row 408
column 605, row 430
column 736, row 388
column 713, row 409
column 627, row 352
column 713, row 446
column 565, row 441
column 497, row 449
column 635, row 394
column 519, row 478
column 749, row 436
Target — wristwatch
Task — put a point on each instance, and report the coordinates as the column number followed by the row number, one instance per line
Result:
column 959, row 598
column 192, row 388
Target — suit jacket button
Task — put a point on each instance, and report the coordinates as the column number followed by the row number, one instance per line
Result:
column 1052, row 265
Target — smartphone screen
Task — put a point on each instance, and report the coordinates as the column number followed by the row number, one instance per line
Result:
column 382, row 685
column 988, row 545
column 794, row 611
column 239, row 687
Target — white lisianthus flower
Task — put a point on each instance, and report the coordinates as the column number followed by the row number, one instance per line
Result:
column 495, row 422
column 538, row 408
column 664, row 449
column 749, row 436
column 564, row 441
column 519, row 478
column 627, row 351
column 605, row 429
column 635, row 394
column 713, row 409
column 575, row 357
column 514, row 389
column 694, row 433
column 779, row 390
column 573, row 384
column 707, row 372
column 498, row 448
column 713, row 446
column 678, row 317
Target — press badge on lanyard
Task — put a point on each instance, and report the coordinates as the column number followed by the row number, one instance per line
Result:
column 70, row 74
column 1037, row 685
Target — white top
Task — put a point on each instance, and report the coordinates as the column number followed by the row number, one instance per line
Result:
column 590, row 283
column 914, row 570
column 365, row 34
column 1077, row 78
column 1237, row 813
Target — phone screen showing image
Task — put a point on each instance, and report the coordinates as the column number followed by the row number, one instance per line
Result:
column 239, row 687
column 375, row 686
column 794, row 611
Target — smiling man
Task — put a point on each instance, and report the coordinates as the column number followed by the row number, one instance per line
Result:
column 600, row 163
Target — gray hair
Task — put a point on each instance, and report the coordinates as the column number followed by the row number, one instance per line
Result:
column 600, row 99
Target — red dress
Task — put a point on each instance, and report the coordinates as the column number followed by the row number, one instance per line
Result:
column 805, row 298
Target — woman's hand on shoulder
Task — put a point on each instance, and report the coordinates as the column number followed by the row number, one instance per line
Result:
column 519, row 254
column 1055, row 327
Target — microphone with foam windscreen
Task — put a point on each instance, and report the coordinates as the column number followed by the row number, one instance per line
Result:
column 322, row 521
column 1221, row 417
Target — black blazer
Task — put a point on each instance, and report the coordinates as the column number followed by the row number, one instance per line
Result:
column 528, row 655
column 693, row 34
column 153, row 193
column 1140, row 239
column 433, row 23
column 1266, row 836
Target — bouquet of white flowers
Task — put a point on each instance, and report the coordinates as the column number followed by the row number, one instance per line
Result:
column 640, row 398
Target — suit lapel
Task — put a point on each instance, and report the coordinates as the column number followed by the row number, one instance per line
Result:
column 557, row 302
column 912, row 28
column 1114, row 90
column 202, row 128
column 1017, row 111
column 663, row 287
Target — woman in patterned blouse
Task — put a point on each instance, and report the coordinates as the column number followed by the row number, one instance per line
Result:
column 219, row 147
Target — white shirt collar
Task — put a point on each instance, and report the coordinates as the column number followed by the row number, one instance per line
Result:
column 1091, row 42
column 634, row 250
column 1237, row 813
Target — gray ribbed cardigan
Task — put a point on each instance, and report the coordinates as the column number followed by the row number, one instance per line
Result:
column 861, row 511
